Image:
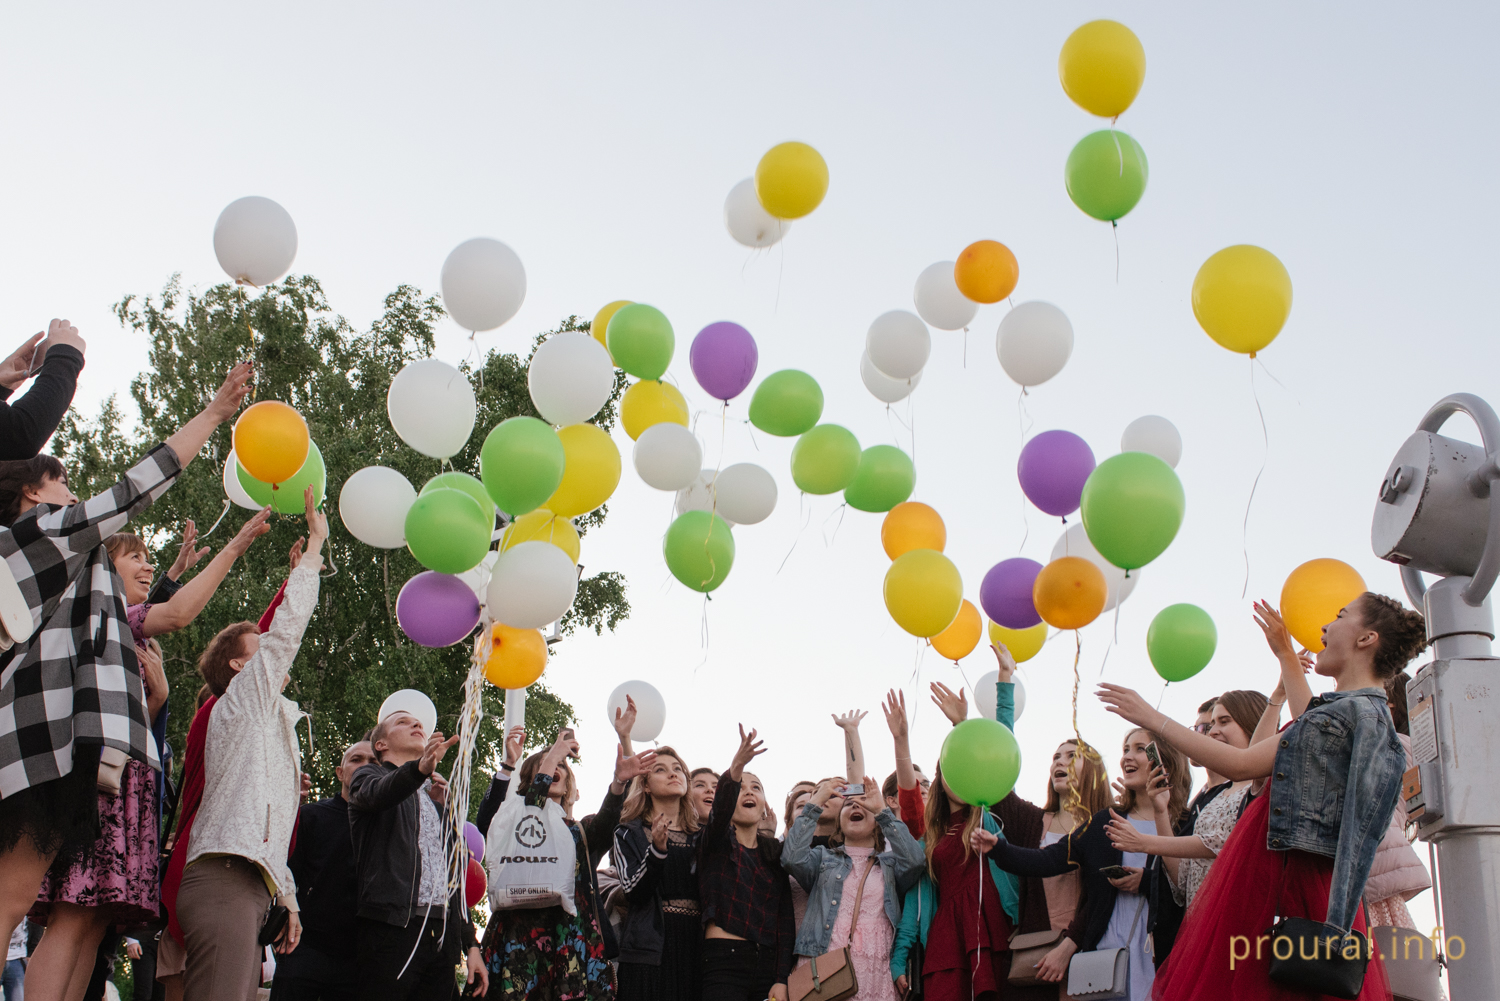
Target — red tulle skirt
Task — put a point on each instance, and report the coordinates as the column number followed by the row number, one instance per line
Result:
column 1214, row 958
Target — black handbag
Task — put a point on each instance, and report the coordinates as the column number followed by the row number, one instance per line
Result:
column 275, row 923
column 1316, row 956
column 914, row 973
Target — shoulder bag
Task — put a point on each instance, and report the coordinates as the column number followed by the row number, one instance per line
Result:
column 1027, row 950
column 1103, row 974
column 1313, row 955
column 830, row 977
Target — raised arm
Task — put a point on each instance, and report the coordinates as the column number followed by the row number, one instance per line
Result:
column 1293, row 674
column 278, row 648
column 193, row 435
column 854, row 752
column 894, row 708
column 26, row 424
column 624, row 722
column 515, row 743
column 184, row 606
column 1236, row 763
column 1005, row 686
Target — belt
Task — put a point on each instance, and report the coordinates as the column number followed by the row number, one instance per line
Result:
column 688, row 907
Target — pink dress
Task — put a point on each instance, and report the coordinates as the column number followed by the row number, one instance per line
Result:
column 873, row 937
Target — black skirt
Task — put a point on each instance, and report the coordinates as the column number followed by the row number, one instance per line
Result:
column 677, row 977
column 60, row 817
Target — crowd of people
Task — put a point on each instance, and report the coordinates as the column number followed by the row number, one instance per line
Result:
column 850, row 886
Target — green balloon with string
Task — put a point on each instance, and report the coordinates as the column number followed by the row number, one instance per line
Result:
column 287, row 496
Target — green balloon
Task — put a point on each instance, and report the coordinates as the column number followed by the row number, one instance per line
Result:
column 1106, row 174
column 286, row 497
column 1132, row 507
column 521, row 464
column 447, row 530
column 699, row 548
column 825, row 459
column 640, row 340
column 885, row 477
column 980, row 761
column 1181, row 641
column 468, row 484
column 786, row 403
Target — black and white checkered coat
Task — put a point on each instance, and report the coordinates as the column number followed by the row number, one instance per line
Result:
column 77, row 678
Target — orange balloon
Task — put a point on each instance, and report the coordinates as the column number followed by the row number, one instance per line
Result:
column 1313, row 595
column 959, row 639
column 271, row 441
column 1069, row 593
column 912, row 525
column 517, row 657
column 986, row 271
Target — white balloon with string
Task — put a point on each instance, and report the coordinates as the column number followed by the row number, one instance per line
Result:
column 413, row 703
column 746, row 493
column 233, row 488
column 1034, row 342
column 570, row 378
column 748, row 222
column 667, row 456
column 255, row 240
column 938, row 300
column 1155, row 435
column 483, row 284
column 432, row 407
column 883, row 387
column 1075, row 542
column 650, row 708
column 985, row 695
column 373, row 505
column 898, row 344
column 531, row 585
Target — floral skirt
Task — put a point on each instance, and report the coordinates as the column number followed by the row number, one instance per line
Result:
column 546, row 955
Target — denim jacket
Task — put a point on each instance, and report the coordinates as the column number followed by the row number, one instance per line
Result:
column 1337, row 775
column 822, row 872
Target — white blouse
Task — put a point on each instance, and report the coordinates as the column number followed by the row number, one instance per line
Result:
column 1213, row 828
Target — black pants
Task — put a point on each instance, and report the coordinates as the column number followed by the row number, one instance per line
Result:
column 737, row 971
column 311, row 973
column 384, row 949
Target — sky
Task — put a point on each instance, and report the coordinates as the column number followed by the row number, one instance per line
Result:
column 599, row 141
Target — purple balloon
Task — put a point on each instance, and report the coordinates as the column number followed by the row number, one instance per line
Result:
column 723, row 357
column 1005, row 594
column 437, row 609
column 1053, row 469
column 475, row 840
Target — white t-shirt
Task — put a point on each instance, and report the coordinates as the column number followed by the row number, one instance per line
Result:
column 17, row 948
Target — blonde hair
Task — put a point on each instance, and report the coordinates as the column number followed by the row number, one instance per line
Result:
column 638, row 799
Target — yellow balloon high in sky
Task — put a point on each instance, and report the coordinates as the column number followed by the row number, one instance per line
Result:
column 1023, row 644
column 590, row 473
column 601, row 320
column 651, row 402
column 1102, row 66
column 1242, row 297
column 1312, row 596
column 791, row 180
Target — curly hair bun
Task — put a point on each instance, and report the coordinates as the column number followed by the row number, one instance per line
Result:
column 1403, row 632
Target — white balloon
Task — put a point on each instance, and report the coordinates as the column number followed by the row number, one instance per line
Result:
column 650, row 708
column 431, row 406
column 747, row 222
column 483, row 283
column 746, row 493
column 984, row 695
column 883, row 387
column 255, row 240
column 1153, row 434
column 409, row 700
column 570, row 378
column 1075, row 542
column 698, row 496
column 938, row 300
column 1034, row 342
column 373, row 506
column 478, row 578
column 667, row 456
column 898, row 344
column 233, row 488
column 532, row 585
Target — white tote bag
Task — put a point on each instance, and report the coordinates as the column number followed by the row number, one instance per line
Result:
column 529, row 856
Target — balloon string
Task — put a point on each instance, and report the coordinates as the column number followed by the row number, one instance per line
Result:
column 827, row 540
column 1163, row 694
column 1077, row 656
column 966, row 346
column 1023, row 419
column 215, row 525
column 703, row 630
column 1115, row 227
column 1265, row 457
column 801, row 506
column 780, row 273
column 1112, row 643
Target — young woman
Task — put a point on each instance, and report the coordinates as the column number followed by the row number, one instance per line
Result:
column 656, row 845
column 701, row 785
column 1397, row 874
column 1305, row 846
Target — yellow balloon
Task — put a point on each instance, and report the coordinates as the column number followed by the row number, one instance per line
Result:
column 912, row 525
column 542, row 525
column 1069, row 593
column 791, row 180
column 959, row 639
column 1242, row 297
column 591, row 470
column 651, row 402
column 923, row 592
column 1102, row 66
column 271, row 441
column 601, row 320
column 1312, row 596
column 1023, row 644
column 517, row 657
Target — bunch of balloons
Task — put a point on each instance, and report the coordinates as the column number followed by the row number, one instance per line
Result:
column 273, row 460
column 1102, row 66
column 790, row 181
column 923, row 589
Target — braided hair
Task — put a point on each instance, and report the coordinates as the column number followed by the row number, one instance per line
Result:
column 1403, row 632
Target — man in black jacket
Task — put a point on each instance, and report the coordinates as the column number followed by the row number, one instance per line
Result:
column 412, row 930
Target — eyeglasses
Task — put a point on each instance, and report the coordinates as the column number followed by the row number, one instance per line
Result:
column 1202, row 728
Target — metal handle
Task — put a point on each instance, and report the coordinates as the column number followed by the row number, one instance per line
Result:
column 1489, row 432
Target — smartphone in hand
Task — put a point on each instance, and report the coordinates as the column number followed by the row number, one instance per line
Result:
column 1153, row 755
column 1115, row 871
column 854, row 789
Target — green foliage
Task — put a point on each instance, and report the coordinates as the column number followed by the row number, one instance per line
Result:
column 354, row 653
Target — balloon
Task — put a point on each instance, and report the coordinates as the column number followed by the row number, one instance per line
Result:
column 413, row 703
column 591, row 472
column 542, row 525
column 1313, row 595
column 825, row 459
column 570, row 378
column 1106, row 174
column 373, row 506
column 521, row 464
column 1153, row 434
column 1132, row 507
column 791, row 180
column 912, row 525
column 286, row 497
column 700, row 495
column 436, row 609
column 1181, row 641
column 483, row 284
column 883, row 387
column 448, row 531
column 939, row 302
column 747, row 222
column 517, row 657
column 667, row 456
column 981, row 761
column 532, row 585
column 884, row 478
column 746, row 493
column 986, row 271
column 962, row 635
column 648, row 403
column 1052, row 470
column 431, row 406
column 650, row 708
column 723, row 357
column 786, row 403
column 233, row 489
column 1023, row 644
column 985, row 694
column 477, row 579
column 1006, row 593
column 923, row 592
column 699, row 549
column 1034, row 342
column 1242, row 297
column 1102, row 66
column 1075, row 542
column 475, row 883
column 475, row 842
column 640, row 340
column 601, row 321
column 1069, row 593
column 255, row 240
column 271, row 441
column 898, row 344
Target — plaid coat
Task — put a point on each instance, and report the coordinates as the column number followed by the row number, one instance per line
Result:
column 77, row 678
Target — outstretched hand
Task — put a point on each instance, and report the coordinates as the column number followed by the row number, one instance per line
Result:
column 232, row 392
column 894, row 708
column 628, row 768
column 1005, row 663
column 748, row 751
column 188, row 554
column 955, row 707
column 1277, row 636
column 434, row 751
column 850, row 720
column 625, row 719
column 251, row 530
column 15, row 369
column 982, row 841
